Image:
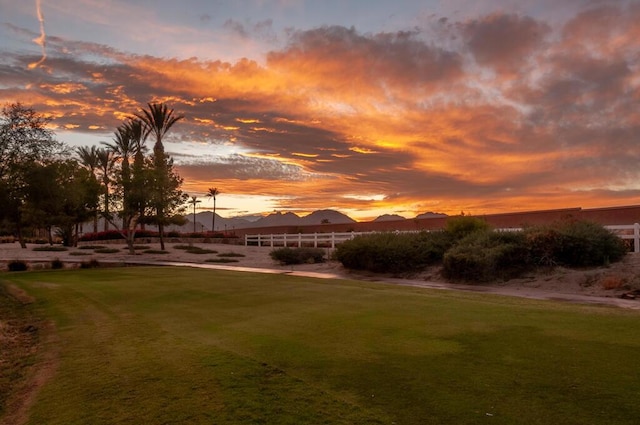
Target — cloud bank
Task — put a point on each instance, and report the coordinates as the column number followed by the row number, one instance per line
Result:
column 501, row 112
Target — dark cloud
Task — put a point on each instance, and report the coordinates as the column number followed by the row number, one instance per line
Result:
column 405, row 116
column 504, row 42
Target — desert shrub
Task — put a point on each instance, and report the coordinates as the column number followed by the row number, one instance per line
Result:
column 575, row 243
column 155, row 251
column 57, row 264
column 288, row 255
column 584, row 243
column 460, row 227
column 50, row 248
column 17, row 266
column 485, row 256
column 221, row 260
column 141, row 247
column 393, row 252
column 91, row 247
column 79, row 253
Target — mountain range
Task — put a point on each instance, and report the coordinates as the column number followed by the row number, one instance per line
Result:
column 203, row 220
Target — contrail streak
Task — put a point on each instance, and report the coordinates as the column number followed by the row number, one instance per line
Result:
column 42, row 40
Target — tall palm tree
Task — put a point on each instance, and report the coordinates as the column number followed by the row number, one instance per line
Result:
column 124, row 149
column 213, row 191
column 88, row 156
column 106, row 160
column 135, row 128
column 158, row 120
column 194, row 200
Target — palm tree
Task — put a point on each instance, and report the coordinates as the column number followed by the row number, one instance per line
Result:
column 194, row 200
column 106, row 160
column 158, row 119
column 88, row 156
column 213, row 191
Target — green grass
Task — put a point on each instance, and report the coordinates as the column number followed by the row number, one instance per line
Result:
column 177, row 345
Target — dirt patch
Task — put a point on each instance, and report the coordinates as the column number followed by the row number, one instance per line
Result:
column 27, row 357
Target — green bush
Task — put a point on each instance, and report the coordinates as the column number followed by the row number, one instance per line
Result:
column 50, row 248
column 393, row 252
column 460, row 227
column 297, row 255
column 484, row 256
column 575, row 243
column 57, row 264
column 17, row 266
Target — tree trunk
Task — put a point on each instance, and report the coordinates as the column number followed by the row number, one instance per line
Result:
column 23, row 244
column 161, row 234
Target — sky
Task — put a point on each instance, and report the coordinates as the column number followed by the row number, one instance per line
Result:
column 367, row 107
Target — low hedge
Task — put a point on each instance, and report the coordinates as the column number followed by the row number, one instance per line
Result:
column 393, row 252
column 470, row 251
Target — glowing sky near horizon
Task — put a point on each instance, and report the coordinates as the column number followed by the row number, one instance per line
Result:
column 367, row 107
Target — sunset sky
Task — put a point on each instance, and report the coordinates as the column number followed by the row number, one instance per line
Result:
column 367, row 107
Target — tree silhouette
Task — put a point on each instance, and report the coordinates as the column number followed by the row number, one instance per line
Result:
column 88, row 157
column 106, row 160
column 194, row 200
column 158, row 120
column 213, row 191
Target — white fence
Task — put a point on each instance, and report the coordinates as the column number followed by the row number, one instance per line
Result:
column 330, row 240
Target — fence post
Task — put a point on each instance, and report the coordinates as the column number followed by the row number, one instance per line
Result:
column 315, row 240
column 333, row 240
column 636, row 238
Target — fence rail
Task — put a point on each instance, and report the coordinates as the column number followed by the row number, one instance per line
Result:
column 330, row 240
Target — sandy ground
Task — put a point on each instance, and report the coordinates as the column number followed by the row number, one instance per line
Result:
column 616, row 284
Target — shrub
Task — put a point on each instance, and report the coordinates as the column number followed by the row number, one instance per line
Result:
column 585, row 243
column 575, row 243
column 57, row 264
column 50, row 248
column 17, row 266
column 460, row 227
column 79, row 253
column 484, row 256
column 91, row 247
column 393, row 252
column 155, row 251
column 288, row 255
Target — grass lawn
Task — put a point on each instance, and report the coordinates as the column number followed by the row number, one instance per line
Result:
column 179, row 345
